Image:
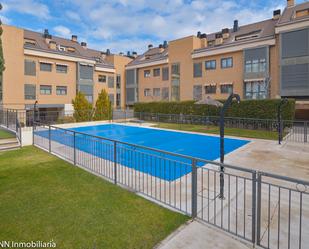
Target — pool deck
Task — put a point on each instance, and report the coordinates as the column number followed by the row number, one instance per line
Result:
column 289, row 159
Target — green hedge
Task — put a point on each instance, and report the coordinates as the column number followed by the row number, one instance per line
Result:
column 258, row 109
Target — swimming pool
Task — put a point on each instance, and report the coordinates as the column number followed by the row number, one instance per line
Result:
column 157, row 164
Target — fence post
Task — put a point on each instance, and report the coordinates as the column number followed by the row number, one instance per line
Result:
column 115, row 162
column 305, row 132
column 7, row 118
column 16, row 118
column 74, row 147
column 253, row 207
column 194, row 189
column 49, row 139
column 259, row 199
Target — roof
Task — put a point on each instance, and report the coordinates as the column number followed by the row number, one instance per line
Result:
column 261, row 30
column 151, row 55
column 79, row 51
column 288, row 15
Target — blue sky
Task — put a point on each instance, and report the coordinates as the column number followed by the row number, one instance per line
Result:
column 130, row 25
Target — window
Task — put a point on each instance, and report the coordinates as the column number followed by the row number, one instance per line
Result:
column 118, row 99
column 147, row 92
column 61, row 68
column 165, row 73
column 156, row 92
column 248, row 66
column 262, row 65
column 87, row 90
column 197, row 92
column 256, row 90
column 146, row 73
column 226, row 88
column 111, row 81
column 61, row 90
column 255, row 66
column 210, row 65
column 165, row 93
column 111, row 99
column 29, row 91
column 227, row 62
column 102, row 78
column 30, row 68
column 156, row 72
column 175, row 92
column 47, row 67
column 45, row 90
column 211, row 89
column 197, row 70
column 86, row 72
column 118, row 81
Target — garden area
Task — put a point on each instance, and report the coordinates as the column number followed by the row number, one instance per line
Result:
column 5, row 134
column 45, row 198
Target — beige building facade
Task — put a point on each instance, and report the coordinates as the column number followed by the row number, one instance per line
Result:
column 246, row 60
column 51, row 70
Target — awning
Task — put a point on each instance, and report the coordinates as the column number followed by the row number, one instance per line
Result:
column 258, row 79
column 226, row 83
column 46, row 62
column 30, row 106
column 61, row 64
column 210, row 84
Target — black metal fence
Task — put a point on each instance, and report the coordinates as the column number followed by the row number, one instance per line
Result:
column 269, row 210
column 9, row 121
column 294, row 131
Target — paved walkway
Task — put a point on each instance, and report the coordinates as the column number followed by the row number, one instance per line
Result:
column 197, row 235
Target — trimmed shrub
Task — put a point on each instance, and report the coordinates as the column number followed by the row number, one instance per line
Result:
column 257, row 109
column 82, row 108
column 103, row 107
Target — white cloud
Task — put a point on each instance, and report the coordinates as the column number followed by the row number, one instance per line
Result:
column 5, row 19
column 72, row 15
column 30, row 7
column 62, row 31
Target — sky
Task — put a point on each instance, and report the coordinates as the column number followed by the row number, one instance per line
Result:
column 130, row 25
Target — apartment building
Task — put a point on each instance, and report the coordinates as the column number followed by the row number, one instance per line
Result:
column 252, row 60
column 51, row 70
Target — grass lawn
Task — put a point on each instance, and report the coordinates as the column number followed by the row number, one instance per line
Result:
column 45, row 198
column 5, row 134
column 215, row 130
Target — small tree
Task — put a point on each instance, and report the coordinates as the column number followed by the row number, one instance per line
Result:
column 82, row 108
column 102, row 106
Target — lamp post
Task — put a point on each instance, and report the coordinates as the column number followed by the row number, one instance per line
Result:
column 227, row 103
column 282, row 102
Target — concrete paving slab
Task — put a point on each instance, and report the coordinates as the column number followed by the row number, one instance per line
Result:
column 197, row 235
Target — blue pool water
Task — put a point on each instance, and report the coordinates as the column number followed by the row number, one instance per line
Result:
column 154, row 163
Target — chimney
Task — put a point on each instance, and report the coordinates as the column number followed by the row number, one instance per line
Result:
column 52, row 45
column 74, row 38
column 47, row 36
column 165, row 44
column 204, row 41
column 290, row 3
column 277, row 14
column 219, row 39
column 84, row 45
column 150, row 46
column 161, row 49
column 225, row 33
column 198, row 34
column 235, row 27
